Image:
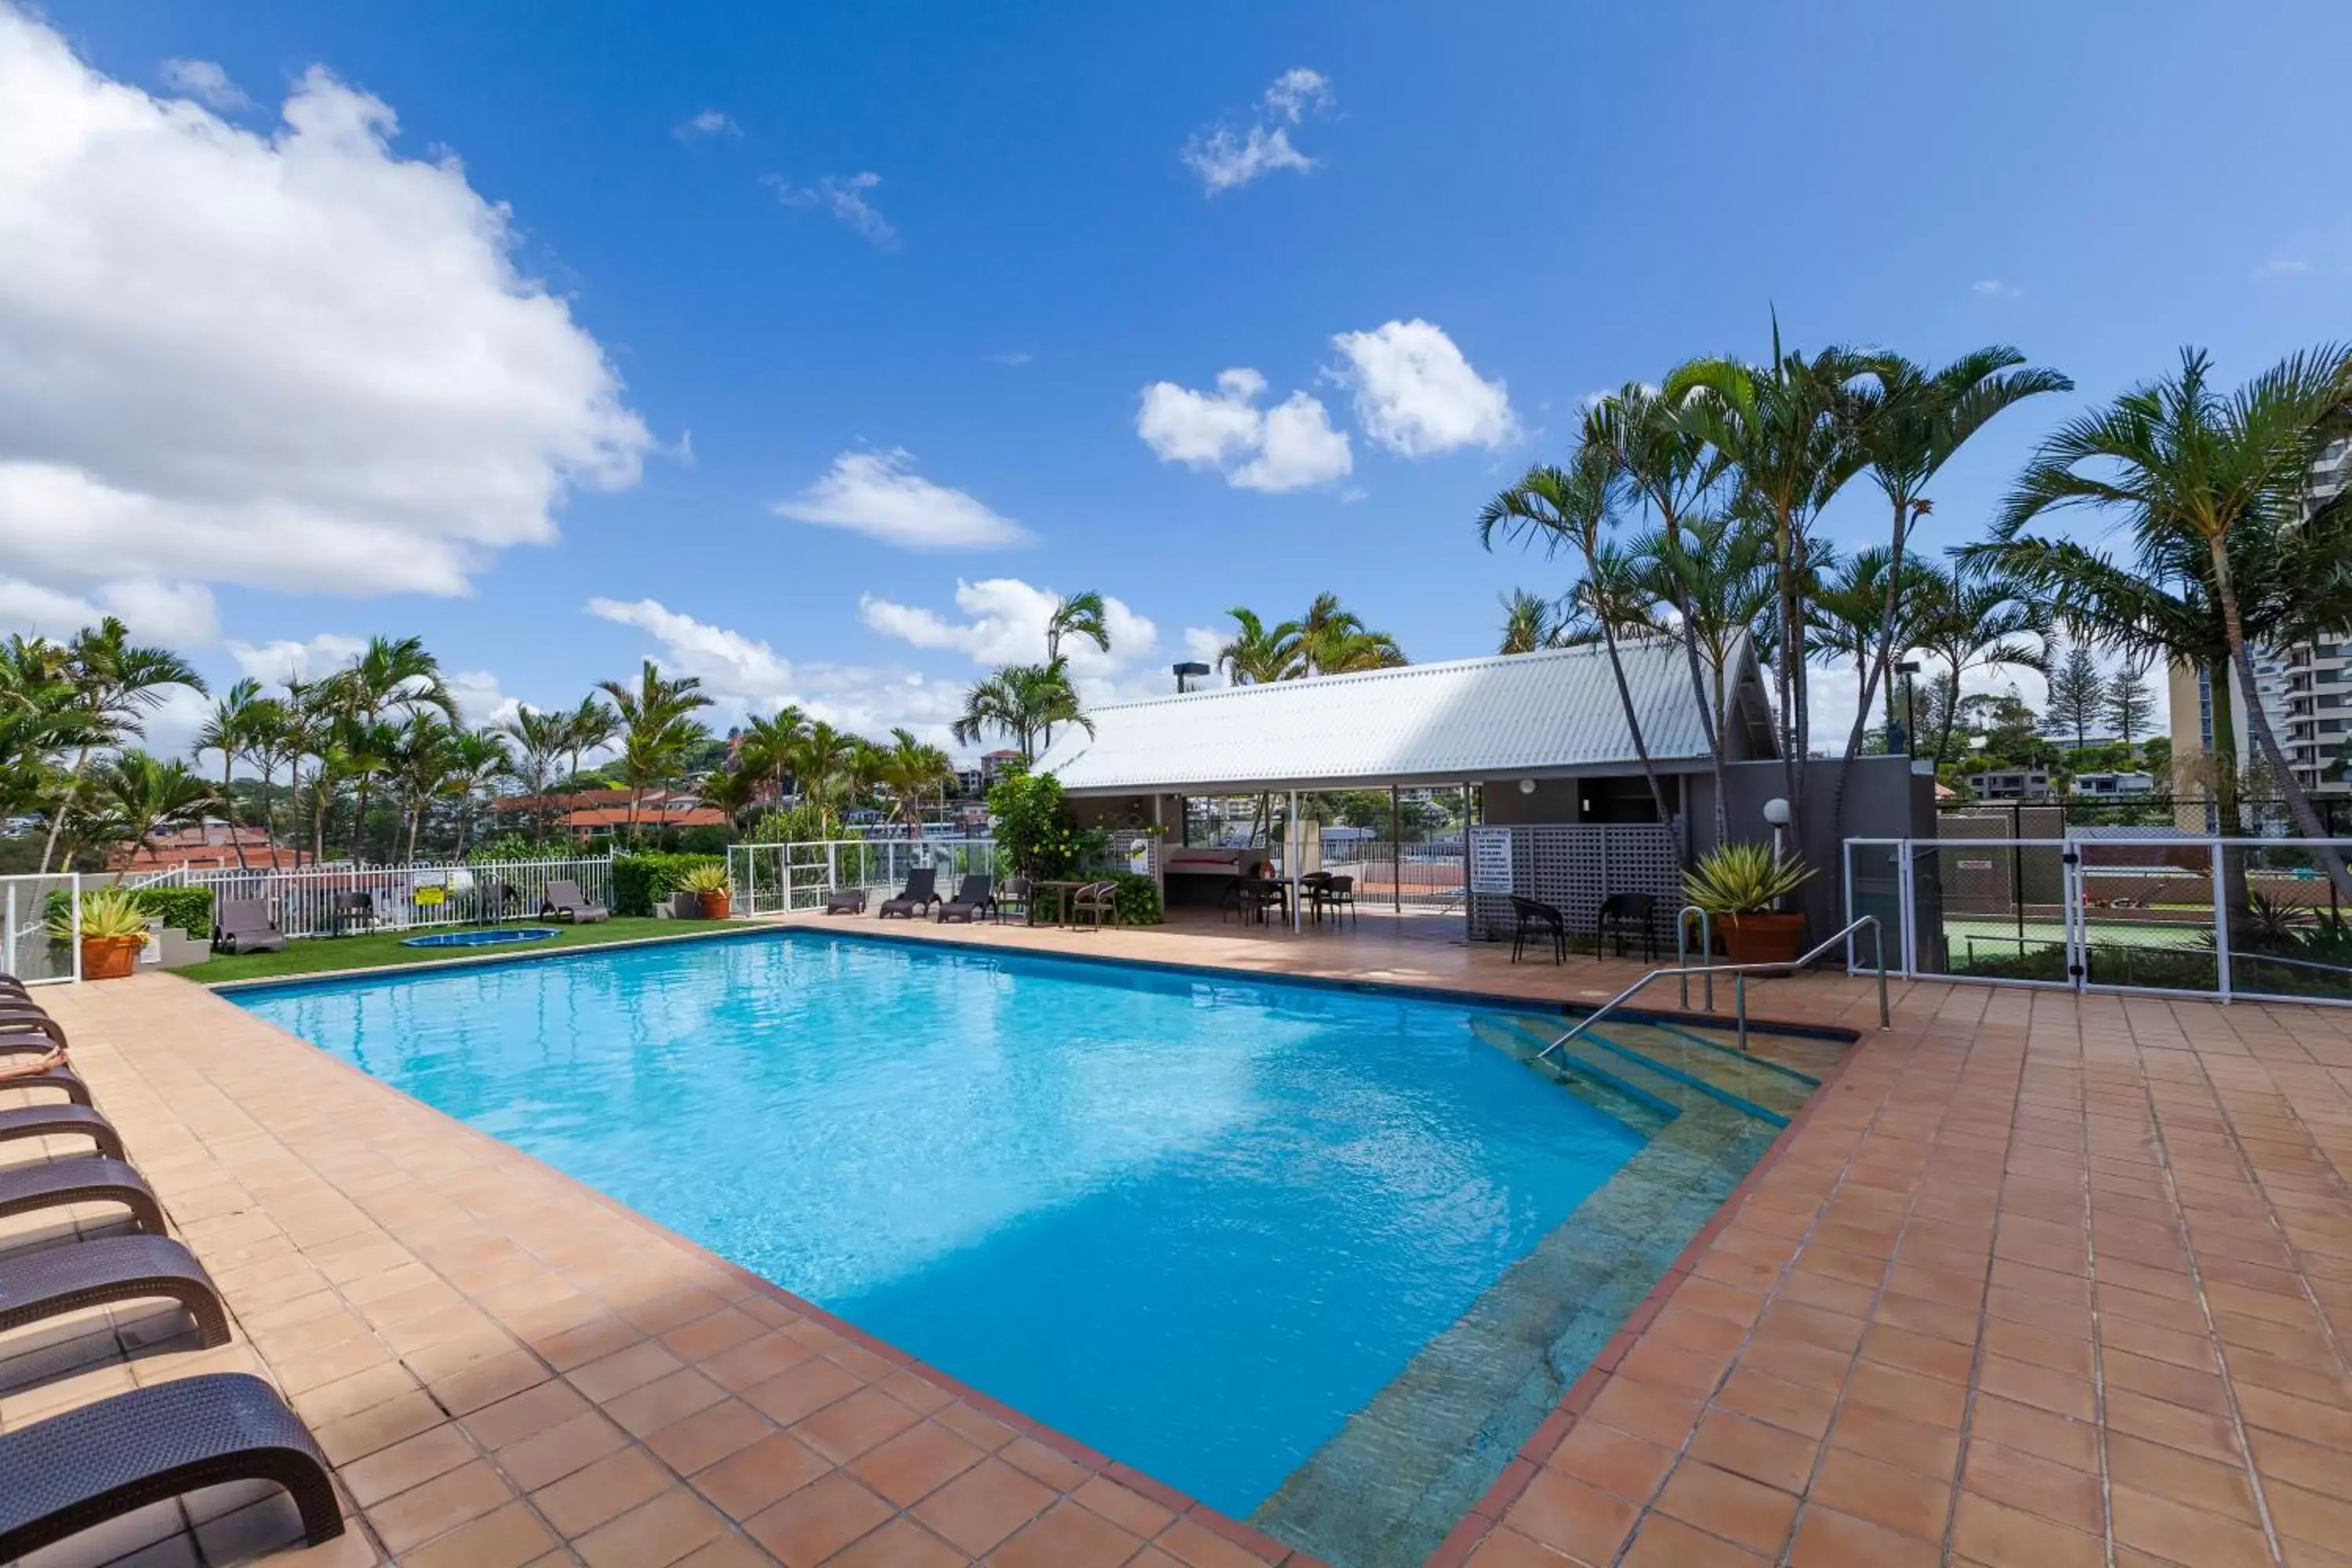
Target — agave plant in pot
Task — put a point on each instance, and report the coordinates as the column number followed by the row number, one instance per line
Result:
column 1740, row 887
column 710, row 884
column 113, row 929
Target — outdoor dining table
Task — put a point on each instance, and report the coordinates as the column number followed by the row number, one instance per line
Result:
column 1061, row 891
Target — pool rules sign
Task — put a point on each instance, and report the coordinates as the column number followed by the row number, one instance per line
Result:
column 1490, row 860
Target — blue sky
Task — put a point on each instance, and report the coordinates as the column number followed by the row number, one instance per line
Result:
column 939, row 253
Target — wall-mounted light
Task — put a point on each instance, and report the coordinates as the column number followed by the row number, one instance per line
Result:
column 1526, row 786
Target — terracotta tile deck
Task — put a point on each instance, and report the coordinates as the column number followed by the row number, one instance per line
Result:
column 2031, row 1280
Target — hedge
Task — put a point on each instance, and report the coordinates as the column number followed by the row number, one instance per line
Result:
column 183, row 909
column 1138, row 899
column 640, row 881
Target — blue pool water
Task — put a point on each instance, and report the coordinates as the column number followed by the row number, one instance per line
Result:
column 501, row 936
column 1193, row 1221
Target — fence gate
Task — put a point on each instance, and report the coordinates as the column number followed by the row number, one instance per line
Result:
column 2149, row 912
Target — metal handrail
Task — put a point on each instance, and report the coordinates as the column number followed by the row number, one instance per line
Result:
column 1742, row 971
column 1706, row 949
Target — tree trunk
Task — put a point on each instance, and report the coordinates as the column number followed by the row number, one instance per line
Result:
column 359, row 824
column 269, row 826
column 1633, row 722
column 1877, row 667
column 1952, row 713
column 228, row 809
column 58, row 818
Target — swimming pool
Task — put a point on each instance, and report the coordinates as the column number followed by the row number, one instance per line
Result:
column 495, row 936
column 1193, row 1222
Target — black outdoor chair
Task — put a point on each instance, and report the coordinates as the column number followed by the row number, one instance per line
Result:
column 350, row 910
column 1337, row 894
column 1541, row 919
column 1619, row 911
column 1013, row 895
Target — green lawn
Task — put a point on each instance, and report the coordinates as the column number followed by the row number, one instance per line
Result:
column 317, row 954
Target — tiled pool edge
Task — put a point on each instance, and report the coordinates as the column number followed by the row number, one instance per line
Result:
column 1487, row 1512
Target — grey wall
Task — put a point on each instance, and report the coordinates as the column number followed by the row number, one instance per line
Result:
column 1885, row 798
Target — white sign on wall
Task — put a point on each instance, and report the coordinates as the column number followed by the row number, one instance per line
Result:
column 1490, row 860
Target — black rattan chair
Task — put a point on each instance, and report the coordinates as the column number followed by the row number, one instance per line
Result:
column 1619, row 911
column 1541, row 919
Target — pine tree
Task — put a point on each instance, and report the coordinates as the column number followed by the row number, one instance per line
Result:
column 2078, row 694
column 2128, row 705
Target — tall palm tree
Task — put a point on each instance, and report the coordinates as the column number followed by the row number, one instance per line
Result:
column 1333, row 640
column 1257, row 653
column 478, row 760
column 422, row 765
column 1850, row 606
column 230, row 731
column 117, row 682
column 767, row 748
column 273, row 741
column 391, row 676
column 1021, row 702
column 820, row 760
column 658, row 728
column 42, row 721
column 144, row 794
column 539, row 737
column 1568, row 508
column 1787, row 432
column 1077, row 616
column 587, row 728
column 309, row 725
column 2179, row 460
column 913, row 770
column 1972, row 617
column 1531, row 622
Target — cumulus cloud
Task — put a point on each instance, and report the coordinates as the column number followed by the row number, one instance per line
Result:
column 1004, row 623
column 1417, row 395
column 1994, row 288
column 1226, row 155
column 1286, row 448
column 880, row 495
column 205, row 82
column 176, row 613
column 726, row 662
column 275, row 663
column 294, row 360
column 480, row 699
column 709, row 123
column 843, row 195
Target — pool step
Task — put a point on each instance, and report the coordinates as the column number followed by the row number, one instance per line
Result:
column 1613, row 1093
column 1679, row 1073
column 1752, row 1077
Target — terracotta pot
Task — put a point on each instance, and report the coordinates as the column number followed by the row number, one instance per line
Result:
column 110, row 957
column 715, row 905
column 1761, row 938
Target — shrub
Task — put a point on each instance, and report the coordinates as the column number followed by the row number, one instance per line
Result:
column 640, row 881
column 183, row 909
column 801, row 823
column 509, row 846
column 704, row 838
column 1035, row 833
column 1138, row 899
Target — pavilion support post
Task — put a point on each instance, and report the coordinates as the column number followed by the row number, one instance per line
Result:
column 1293, row 833
column 1469, row 899
column 1396, row 852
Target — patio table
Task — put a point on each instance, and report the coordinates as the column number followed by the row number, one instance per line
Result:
column 1061, row 891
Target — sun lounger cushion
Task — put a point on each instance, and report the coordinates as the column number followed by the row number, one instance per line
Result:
column 71, row 1472
column 51, row 1281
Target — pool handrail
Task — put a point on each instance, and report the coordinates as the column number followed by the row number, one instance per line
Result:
column 1741, row 972
column 1706, row 950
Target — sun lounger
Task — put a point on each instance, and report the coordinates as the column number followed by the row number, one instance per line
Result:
column 52, row 1282
column 61, row 1122
column 973, row 899
column 78, row 1470
column 921, row 893
column 52, row 1184
column 63, row 1078
column 243, row 925
column 845, row 901
column 562, row 901
column 21, row 1024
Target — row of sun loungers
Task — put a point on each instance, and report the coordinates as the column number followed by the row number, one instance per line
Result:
column 78, row 1470
column 977, row 898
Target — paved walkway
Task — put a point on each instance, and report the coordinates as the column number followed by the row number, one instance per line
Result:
column 2033, row 1281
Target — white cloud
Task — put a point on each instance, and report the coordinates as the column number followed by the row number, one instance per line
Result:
column 1224, row 157
column 1290, row 446
column 205, row 82
column 879, row 494
column 1205, row 645
column 1005, row 624
column 275, row 663
column 294, row 360
column 845, row 197
column 728, row 662
column 1994, row 288
column 1417, row 395
column 709, row 123
column 1014, row 359
column 180, row 614
column 2284, row 267
column 480, row 699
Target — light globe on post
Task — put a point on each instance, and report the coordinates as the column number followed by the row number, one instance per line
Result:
column 1776, row 812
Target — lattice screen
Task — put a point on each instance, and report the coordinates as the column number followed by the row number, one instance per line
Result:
column 1573, row 867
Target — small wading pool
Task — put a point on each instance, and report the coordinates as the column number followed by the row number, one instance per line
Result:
column 1321, row 1257
column 504, row 936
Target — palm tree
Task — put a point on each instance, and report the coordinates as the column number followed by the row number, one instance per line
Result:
column 1972, row 617
column 479, row 758
column 539, row 737
column 144, row 794
column 587, row 727
column 422, row 765
column 1569, row 508
column 913, row 770
column 1335, row 641
column 310, row 732
column 116, row 683
column 273, row 741
column 1849, row 615
column 391, row 675
column 1786, row 431
column 1256, row 653
column 2183, row 463
column 1077, row 616
column 42, row 718
column 658, row 730
column 230, row 731
column 1022, row 702
column 767, row 743
column 1531, row 622
column 820, row 756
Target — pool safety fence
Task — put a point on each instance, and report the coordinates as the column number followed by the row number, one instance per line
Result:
column 27, row 949
column 2112, row 910
column 316, row 900
column 778, row 879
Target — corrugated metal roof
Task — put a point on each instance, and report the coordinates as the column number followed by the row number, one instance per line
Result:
column 1522, row 715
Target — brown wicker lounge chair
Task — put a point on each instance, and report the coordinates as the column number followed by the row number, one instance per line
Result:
column 62, row 1078
column 52, row 1184
column 20, row 1025
column 101, row 1461
column 52, row 1282
column 975, row 898
column 563, row 901
column 1098, row 902
column 60, row 1122
column 845, row 901
column 243, row 925
column 921, row 894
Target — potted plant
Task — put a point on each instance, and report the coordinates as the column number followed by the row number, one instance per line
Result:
column 709, row 883
column 1738, row 885
column 113, row 928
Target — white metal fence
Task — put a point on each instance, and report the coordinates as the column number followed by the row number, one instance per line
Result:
column 329, row 901
column 26, row 951
column 771, row 879
column 2173, row 913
